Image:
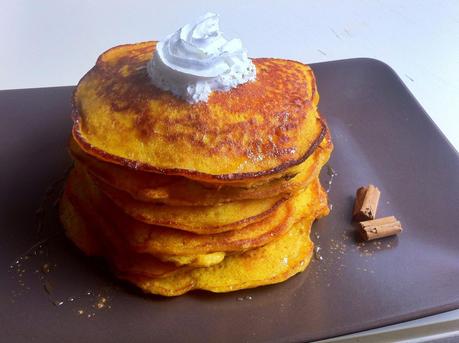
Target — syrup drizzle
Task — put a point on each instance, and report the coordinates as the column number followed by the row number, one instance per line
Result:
column 331, row 174
column 36, row 260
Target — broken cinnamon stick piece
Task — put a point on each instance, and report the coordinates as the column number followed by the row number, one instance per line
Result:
column 382, row 227
column 366, row 203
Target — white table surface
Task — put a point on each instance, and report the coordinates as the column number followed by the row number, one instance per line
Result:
column 53, row 43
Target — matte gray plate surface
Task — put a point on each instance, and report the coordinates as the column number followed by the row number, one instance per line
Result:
column 381, row 136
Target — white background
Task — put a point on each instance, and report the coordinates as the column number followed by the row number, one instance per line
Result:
column 53, row 43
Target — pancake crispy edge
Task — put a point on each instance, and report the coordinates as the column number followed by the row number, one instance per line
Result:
column 199, row 219
column 177, row 190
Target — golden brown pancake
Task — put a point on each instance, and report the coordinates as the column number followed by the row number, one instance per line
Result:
column 272, row 263
column 199, row 219
column 165, row 243
column 79, row 221
column 76, row 229
column 258, row 130
column 84, row 231
column 160, row 241
column 81, row 209
column 177, row 190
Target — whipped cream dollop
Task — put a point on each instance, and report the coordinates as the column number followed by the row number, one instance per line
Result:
column 197, row 59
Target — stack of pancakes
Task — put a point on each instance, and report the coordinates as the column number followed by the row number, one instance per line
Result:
column 218, row 195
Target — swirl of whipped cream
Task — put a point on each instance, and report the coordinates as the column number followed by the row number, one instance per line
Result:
column 197, row 59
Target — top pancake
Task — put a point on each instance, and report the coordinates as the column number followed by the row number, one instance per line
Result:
column 256, row 129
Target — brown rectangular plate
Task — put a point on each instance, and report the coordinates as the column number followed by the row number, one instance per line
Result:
column 381, row 135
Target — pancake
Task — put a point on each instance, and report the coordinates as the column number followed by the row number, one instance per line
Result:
column 94, row 238
column 161, row 241
column 200, row 260
column 158, row 241
column 94, row 234
column 272, row 263
column 256, row 131
column 90, row 241
column 177, row 190
column 198, row 219
column 76, row 229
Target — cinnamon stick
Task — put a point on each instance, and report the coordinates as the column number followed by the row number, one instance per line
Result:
column 366, row 203
column 382, row 227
